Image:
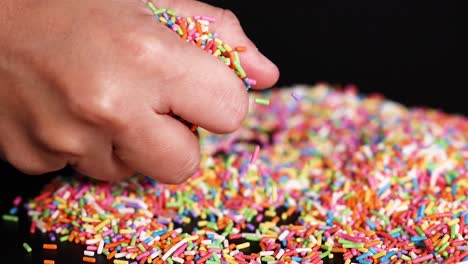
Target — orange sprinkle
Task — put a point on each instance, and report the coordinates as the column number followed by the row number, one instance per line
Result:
column 89, row 259
column 112, row 254
column 240, row 48
column 372, row 243
column 49, row 261
column 49, row 246
column 339, row 250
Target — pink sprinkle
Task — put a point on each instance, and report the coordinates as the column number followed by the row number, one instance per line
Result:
column 17, row 200
column 142, row 255
column 255, row 154
column 252, row 81
column 208, row 18
column 92, row 248
column 423, row 258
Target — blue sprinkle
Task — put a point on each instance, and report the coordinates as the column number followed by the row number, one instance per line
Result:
column 370, row 224
column 297, row 259
column 415, row 184
column 383, row 189
column 372, row 250
column 363, row 256
column 13, row 210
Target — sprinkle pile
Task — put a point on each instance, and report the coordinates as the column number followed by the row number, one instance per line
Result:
column 319, row 173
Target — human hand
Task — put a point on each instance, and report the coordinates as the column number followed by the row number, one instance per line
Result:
column 91, row 84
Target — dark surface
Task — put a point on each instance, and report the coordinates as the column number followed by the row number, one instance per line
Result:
column 411, row 53
column 414, row 52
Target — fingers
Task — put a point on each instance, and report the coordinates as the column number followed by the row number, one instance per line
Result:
column 100, row 162
column 192, row 84
column 230, row 31
column 160, row 147
column 23, row 153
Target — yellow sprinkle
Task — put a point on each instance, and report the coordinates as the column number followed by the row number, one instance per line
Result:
column 126, row 231
column 319, row 240
column 90, row 220
column 243, row 246
column 217, row 53
column 348, row 261
column 349, row 230
column 119, row 261
column 363, row 250
column 380, row 254
column 101, row 225
column 227, row 47
column 170, row 227
column 330, row 256
column 202, row 223
column 60, row 199
column 453, row 221
column 186, row 220
column 192, row 238
column 218, row 41
column 270, row 213
column 284, row 216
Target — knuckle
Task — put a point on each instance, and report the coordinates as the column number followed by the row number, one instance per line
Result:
column 228, row 17
column 59, row 141
column 100, row 109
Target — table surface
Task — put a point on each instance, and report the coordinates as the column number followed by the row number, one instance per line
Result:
column 13, row 235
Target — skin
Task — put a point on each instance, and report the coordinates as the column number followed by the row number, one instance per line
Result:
column 91, row 83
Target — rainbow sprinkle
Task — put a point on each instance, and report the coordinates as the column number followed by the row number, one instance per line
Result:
column 333, row 174
column 195, row 30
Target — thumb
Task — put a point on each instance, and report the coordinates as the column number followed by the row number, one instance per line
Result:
column 229, row 30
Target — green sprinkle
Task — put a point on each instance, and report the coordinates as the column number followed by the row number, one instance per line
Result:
column 267, row 258
column 262, row 101
column 11, row 218
column 453, row 234
column 443, row 247
column 63, row 238
column 169, row 260
column 152, row 7
column 420, row 231
column 404, row 257
column 160, row 11
column 133, row 241
column 212, row 225
column 353, row 245
column 142, row 248
column 27, row 247
column 253, row 238
column 325, row 254
column 171, row 12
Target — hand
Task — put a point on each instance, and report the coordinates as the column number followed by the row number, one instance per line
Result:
column 91, row 83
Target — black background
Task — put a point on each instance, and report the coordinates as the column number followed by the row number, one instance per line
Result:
column 413, row 53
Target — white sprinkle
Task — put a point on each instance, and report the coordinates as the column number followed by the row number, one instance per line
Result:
column 283, row 235
column 100, row 247
column 177, row 259
column 280, row 254
column 267, row 253
column 120, row 255
column 92, row 241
